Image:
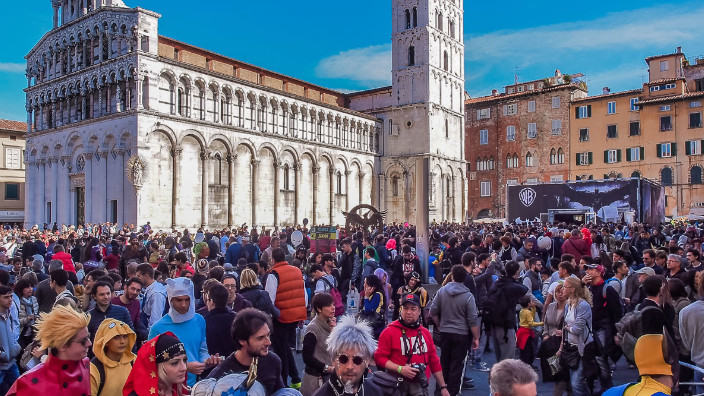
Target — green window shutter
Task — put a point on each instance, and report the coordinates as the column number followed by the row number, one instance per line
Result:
column 701, row 145
column 674, row 149
column 688, row 148
column 576, row 112
column 577, row 159
column 606, row 156
column 659, row 146
column 642, row 153
column 589, row 110
column 591, row 161
column 628, row 155
column 618, row 155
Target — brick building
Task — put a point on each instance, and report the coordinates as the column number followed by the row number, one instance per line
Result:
column 654, row 132
column 12, row 139
column 519, row 136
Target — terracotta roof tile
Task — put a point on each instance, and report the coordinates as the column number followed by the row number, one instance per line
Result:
column 663, row 99
column 611, row 94
column 504, row 96
column 9, row 125
column 665, row 80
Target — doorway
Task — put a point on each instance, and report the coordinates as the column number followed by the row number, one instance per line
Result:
column 80, row 205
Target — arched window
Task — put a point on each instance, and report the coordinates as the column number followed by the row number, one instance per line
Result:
column 415, row 17
column 339, row 182
column 635, row 174
column 560, row 156
column 445, row 61
column 439, row 21
column 529, row 159
column 553, row 157
column 666, row 176
column 515, row 160
column 695, row 175
column 479, row 164
column 452, row 29
column 509, row 161
column 287, row 185
column 411, row 56
column 408, row 19
column 491, row 163
column 394, row 186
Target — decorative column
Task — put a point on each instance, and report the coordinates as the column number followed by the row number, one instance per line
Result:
column 29, row 192
column 230, row 189
column 55, row 194
column 84, row 105
column 29, row 118
column 360, row 183
column 347, row 190
column 42, row 194
column 175, row 182
column 118, row 97
column 56, row 16
column 331, row 172
column 297, row 177
column 89, row 187
column 204, row 189
column 316, row 172
column 454, row 208
column 255, row 167
column 64, row 193
column 382, row 192
column 276, row 193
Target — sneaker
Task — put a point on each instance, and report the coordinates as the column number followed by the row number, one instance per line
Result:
column 481, row 366
column 296, row 385
column 468, row 384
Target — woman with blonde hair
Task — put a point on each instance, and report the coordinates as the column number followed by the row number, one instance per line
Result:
column 552, row 336
column 64, row 333
column 160, row 368
column 577, row 333
column 251, row 289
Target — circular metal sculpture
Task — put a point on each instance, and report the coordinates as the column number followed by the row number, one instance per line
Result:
column 364, row 216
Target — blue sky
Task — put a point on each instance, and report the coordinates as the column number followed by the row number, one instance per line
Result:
column 345, row 45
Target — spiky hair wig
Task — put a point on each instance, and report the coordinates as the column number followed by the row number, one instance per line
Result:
column 351, row 334
column 56, row 328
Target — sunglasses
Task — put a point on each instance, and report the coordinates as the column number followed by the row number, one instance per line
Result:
column 357, row 360
column 83, row 341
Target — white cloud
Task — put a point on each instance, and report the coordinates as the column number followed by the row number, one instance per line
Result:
column 369, row 65
column 611, row 47
column 9, row 67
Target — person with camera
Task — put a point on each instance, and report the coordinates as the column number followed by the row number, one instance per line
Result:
column 406, row 349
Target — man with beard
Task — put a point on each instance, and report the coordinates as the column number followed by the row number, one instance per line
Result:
column 351, row 347
column 128, row 299
column 251, row 332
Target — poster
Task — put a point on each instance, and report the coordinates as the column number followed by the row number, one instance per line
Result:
column 323, row 239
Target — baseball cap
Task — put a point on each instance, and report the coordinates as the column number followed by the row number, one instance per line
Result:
column 410, row 298
column 646, row 271
column 597, row 267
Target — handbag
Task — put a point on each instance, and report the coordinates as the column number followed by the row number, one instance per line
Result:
column 389, row 384
column 554, row 364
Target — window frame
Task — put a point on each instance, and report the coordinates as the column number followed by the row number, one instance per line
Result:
column 511, row 136
column 7, row 190
column 18, row 151
column 532, row 131
column 483, row 137
column 485, row 188
column 611, row 107
column 609, row 135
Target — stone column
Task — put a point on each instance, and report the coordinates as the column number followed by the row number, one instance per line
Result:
column 230, row 189
column 360, row 183
column 84, row 106
column 296, row 198
column 276, row 193
column 316, row 172
column 29, row 192
column 382, row 191
column 56, row 17
column 175, row 182
column 204, row 190
column 118, row 98
column 454, row 208
column 139, row 86
column 55, row 194
column 347, row 190
column 64, row 192
column 255, row 168
column 331, row 172
column 89, row 187
column 101, row 35
column 42, row 193
column 29, row 119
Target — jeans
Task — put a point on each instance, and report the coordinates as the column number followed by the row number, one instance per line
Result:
column 578, row 382
column 452, row 359
column 476, row 354
column 283, row 334
column 8, row 377
column 603, row 336
column 504, row 343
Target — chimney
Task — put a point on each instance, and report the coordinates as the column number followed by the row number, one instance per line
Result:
column 605, row 90
column 679, row 50
column 494, row 92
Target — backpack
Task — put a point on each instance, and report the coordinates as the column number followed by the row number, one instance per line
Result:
column 629, row 328
column 621, row 390
column 607, row 283
column 101, row 372
column 337, row 298
column 497, row 310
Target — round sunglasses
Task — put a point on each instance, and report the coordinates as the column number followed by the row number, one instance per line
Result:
column 343, row 359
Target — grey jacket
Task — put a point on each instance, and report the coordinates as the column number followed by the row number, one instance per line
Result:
column 8, row 340
column 455, row 307
column 579, row 329
column 691, row 330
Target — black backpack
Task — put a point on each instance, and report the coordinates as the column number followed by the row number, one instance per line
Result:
column 101, row 371
column 497, row 310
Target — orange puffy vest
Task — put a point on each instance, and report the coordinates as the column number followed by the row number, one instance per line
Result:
column 290, row 294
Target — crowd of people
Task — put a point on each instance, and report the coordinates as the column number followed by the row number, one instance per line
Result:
column 108, row 310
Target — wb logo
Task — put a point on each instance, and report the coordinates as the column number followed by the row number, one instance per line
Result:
column 527, row 196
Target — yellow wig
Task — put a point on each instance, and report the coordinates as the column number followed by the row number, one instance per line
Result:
column 56, row 328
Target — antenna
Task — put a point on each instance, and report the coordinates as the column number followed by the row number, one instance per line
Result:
column 515, row 75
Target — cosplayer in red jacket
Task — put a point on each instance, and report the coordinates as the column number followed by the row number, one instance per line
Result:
column 400, row 341
column 160, row 368
column 63, row 332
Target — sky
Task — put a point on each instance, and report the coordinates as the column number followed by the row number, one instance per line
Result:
column 345, row 45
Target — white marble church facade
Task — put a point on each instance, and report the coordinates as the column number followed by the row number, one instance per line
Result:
column 128, row 126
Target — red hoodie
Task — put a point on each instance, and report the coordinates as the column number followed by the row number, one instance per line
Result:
column 390, row 348
column 66, row 259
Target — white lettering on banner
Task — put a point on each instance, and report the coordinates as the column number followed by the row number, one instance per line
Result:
column 527, row 196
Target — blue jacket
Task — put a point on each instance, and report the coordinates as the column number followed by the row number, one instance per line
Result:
column 233, row 253
column 8, row 340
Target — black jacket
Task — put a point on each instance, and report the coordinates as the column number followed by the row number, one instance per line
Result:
column 217, row 330
column 334, row 387
column 260, row 300
column 504, row 296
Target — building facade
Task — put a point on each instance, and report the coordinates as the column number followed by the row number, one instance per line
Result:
column 12, row 179
column 128, row 126
column 519, row 136
column 653, row 132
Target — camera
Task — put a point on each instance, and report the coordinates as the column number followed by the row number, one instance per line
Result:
column 420, row 378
